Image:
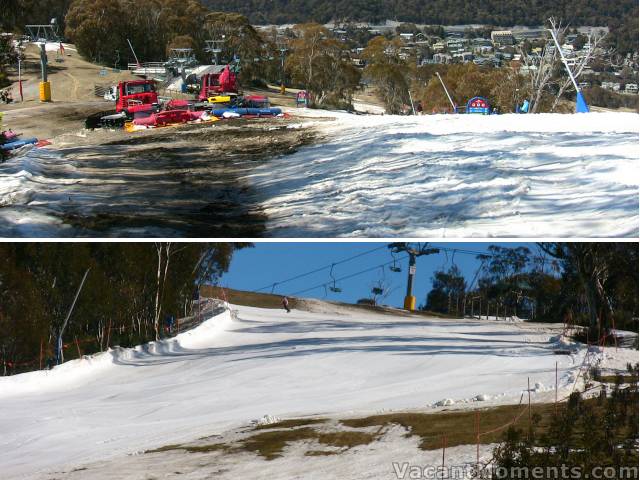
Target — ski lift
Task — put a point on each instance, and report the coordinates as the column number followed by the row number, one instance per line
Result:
column 333, row 287
column 379, row 290
column 395, row 268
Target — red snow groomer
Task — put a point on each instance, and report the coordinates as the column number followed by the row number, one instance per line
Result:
column 217, row 83
column 136, row 96
column 132, row 97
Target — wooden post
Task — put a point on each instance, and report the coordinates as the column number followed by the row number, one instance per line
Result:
column 529, row 391
column 477, row 438
column 78, row 346
column 109, row 334
column 444, row 447
column 555, row 407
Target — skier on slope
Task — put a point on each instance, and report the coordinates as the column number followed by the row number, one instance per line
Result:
column 285, row 304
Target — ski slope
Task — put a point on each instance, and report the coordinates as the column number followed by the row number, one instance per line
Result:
column 240, row 366
column 430, row 176
column 458, row 176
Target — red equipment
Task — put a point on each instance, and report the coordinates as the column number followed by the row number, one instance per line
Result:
column 168, row 117
column 136, row 96
column 212, row 84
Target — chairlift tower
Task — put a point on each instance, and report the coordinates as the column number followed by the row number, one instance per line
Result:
column 214, row 47
column 414, row 251
column 180, row 59
column 283, row 54
column 44, row 33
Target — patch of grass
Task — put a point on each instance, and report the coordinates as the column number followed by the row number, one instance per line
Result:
column 166, row 448
column 251, row 299
column 271, row 444
column 214, row 447
column 459, row 427
column 346, row 439
column 301, row 422
column 322, row 453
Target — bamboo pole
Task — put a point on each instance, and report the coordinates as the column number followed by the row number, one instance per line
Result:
column 77, row 346
column 108, row 334
column 478, row 438
column 555, row 407
column 444, row 447
column 529, row 391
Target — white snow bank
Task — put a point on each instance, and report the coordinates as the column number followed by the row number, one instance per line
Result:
column 88, row 369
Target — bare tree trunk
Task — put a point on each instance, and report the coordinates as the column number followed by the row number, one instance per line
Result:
column 156, row 317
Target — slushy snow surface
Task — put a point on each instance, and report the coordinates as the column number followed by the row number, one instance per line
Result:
column 237, row 368
column 458, row 176
column 546, row 175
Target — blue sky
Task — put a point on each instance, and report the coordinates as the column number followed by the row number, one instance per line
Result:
column 266, row 263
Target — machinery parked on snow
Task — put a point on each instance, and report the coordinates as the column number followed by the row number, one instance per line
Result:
column 136, row 95
column 215, row 84
column 131, row 97
column 138, row 106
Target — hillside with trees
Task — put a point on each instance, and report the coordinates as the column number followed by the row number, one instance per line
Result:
column 129, row 290
column 589, row 284
column 438, row 12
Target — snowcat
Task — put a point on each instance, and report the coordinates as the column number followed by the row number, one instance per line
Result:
column 132, row 97
column 217, row 84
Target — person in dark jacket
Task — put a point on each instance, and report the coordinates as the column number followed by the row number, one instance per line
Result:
column 285, row 304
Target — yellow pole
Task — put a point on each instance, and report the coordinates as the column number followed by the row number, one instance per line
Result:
column 45, row 85
column 45, row 91
column 410, row 303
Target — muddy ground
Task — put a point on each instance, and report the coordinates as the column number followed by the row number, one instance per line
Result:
column 187, row 181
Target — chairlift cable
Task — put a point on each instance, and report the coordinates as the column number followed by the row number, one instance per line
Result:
column 346, row 277
column 323, row 267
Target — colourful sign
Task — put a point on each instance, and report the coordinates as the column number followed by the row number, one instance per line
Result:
column 479, row 105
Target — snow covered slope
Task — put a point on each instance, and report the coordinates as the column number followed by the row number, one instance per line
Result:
column 235, row 368
column 458, row 176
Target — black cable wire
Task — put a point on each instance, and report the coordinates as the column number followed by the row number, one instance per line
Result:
column 302, row 275
column 328, row 266
column 349, row 276
column 486, row 254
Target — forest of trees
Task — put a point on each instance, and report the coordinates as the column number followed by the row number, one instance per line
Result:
column 621, row 16
column 437, row 12
column 315, row 59
column 129, row 290
column 590, row 284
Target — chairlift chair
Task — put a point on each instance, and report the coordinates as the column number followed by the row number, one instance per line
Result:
column 377, row 291
column 333, row 287
column 395, row 268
